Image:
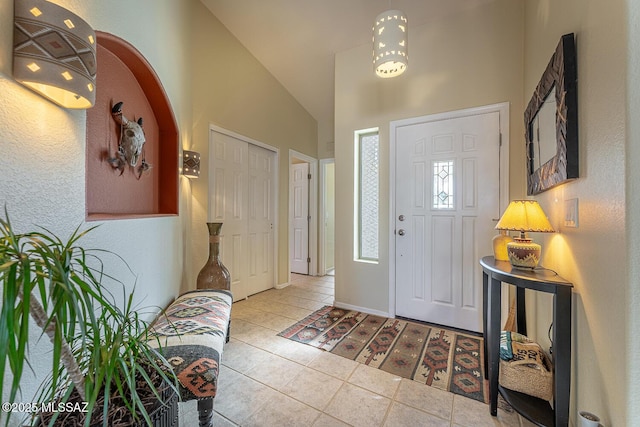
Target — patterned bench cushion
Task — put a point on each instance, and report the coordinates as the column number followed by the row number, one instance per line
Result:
column 192, row 335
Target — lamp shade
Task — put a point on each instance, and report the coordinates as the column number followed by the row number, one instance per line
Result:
column 54, row 53
column 390, row 44
column 191, row 164
column 524, row 216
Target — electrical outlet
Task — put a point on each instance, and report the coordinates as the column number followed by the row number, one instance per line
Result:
column 571, row 213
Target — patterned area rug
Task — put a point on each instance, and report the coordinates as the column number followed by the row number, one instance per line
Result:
column 432, row 355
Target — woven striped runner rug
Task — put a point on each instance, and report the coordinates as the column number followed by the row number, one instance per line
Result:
column 432, row 355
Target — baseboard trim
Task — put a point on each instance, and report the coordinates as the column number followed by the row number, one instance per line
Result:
column 281, row 285
column 361, row 309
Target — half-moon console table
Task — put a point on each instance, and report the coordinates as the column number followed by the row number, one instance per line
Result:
column 538, row 411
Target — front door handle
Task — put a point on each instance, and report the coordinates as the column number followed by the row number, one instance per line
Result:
column 401, row 232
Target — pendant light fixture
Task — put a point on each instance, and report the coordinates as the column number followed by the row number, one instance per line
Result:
column 390, row 44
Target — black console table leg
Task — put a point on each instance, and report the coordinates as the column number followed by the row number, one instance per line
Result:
column 562, row 354
column 521, row 311
column 493, row 344
column 485, row 301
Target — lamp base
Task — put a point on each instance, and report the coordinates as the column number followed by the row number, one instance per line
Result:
column 523, row 253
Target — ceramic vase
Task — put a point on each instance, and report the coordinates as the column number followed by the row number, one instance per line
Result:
column 214, row 275
column 500, row 246
column 587, row 419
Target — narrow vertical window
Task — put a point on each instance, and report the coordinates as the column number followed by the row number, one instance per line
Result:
column 367, row 195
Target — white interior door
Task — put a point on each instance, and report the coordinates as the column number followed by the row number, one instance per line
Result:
column 242, row 197
column 228, row 205
column 447, row 190
column 261, row 219
column 299, row 240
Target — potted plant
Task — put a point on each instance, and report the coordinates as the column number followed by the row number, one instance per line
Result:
column 103, row 370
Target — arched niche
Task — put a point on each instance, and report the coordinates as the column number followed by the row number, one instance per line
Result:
column 125, row 75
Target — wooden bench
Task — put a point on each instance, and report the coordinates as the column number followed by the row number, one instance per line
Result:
column 192, row 333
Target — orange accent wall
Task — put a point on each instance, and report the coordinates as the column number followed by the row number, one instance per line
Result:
column 125, row 75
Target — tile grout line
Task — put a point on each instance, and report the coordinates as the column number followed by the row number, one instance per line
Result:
column 275, row 390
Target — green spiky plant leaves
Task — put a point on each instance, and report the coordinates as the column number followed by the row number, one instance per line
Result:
column 99, row 349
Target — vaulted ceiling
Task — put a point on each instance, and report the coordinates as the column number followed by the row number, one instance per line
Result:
column 296, row 40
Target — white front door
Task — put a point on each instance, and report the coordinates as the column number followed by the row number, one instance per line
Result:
column 299, row 239
column 242, row 197
column 447, row 192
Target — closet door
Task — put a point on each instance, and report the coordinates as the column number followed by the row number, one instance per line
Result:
column 228, row 203
column 242, row 197
column 261, row 219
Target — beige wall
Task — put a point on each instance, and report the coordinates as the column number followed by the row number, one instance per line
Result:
column 232, row 90
column 632, row 347
column 463, row 61
column 593, row 255
column 42, row 154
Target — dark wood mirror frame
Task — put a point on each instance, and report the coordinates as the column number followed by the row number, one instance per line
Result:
column 561, row 73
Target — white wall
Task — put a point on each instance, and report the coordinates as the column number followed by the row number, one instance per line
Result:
column 592, row 256
column 42, row 154
column 468, row 60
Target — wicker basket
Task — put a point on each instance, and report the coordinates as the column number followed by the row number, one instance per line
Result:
column 532, row 379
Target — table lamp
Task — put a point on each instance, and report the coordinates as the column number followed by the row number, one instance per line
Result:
column 524, row 216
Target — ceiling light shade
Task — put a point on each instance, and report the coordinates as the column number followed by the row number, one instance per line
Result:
column 54, row 53
column 390, row 44
column 524, row 216
column 191, row 164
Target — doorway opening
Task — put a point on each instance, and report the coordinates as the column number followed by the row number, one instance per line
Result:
column 326, row 262
column 303, row 218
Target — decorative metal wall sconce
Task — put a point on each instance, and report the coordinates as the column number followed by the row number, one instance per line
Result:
column 54, row 53
column 191, row 164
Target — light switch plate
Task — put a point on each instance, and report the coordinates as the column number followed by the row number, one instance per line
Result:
column 571, row 213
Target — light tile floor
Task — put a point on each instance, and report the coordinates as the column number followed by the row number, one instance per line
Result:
column 266, row 380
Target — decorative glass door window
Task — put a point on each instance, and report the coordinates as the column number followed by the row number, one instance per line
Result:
column 443, row 184
column 367, row 191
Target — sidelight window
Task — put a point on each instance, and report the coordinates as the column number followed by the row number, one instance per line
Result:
column 367, row 167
